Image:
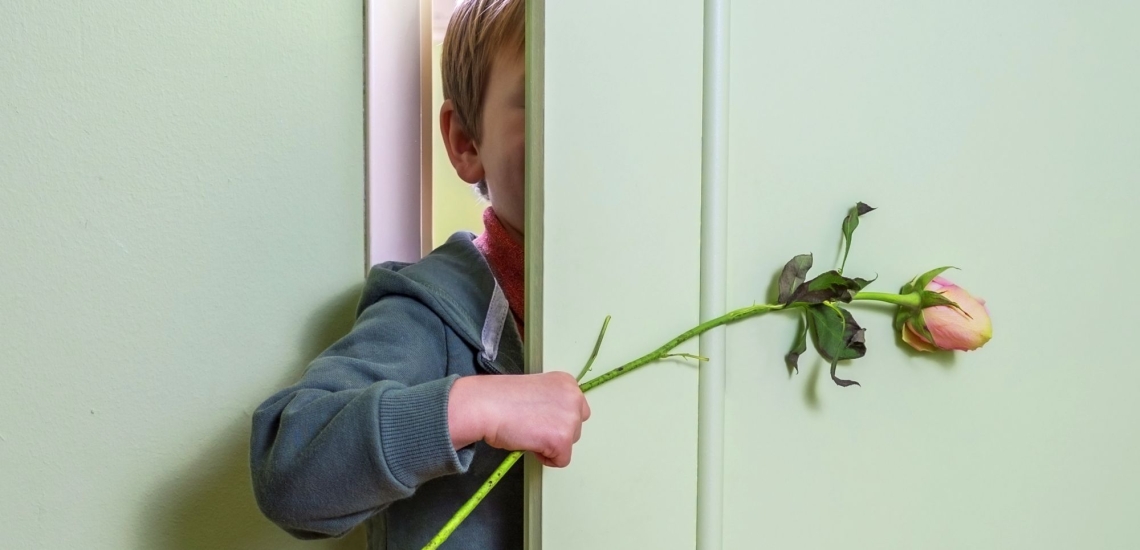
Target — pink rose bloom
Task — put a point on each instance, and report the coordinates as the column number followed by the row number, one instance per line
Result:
column 950, row 328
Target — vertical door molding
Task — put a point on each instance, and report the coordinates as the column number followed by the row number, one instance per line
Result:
column 714, row 278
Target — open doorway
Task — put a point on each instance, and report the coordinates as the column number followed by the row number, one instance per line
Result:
column 455, row 204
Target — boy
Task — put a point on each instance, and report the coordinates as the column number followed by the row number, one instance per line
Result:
column 399, row 422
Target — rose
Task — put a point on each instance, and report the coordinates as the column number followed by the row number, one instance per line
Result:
column 963, row 325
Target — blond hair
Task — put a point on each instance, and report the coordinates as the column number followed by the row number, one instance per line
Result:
column 478, row 32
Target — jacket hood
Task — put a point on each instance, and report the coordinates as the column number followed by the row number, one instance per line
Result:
column 455, row 282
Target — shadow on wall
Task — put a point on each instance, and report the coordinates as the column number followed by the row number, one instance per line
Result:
column 211, row 505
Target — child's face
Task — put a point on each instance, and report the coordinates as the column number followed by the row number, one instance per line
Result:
column 503, row 144
column 498, row 156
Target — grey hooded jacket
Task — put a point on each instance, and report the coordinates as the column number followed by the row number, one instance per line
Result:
column 363, row 436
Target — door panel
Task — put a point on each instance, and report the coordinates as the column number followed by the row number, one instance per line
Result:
column 998, row 137
column 620, row 178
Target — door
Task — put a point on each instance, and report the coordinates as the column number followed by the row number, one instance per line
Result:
column 614, row 171
column 998, row 137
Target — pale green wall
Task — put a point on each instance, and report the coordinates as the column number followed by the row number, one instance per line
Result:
column 181, row 228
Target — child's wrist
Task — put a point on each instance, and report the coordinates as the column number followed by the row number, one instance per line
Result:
column 466, row 419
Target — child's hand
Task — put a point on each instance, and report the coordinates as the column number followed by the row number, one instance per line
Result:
column 540, row 413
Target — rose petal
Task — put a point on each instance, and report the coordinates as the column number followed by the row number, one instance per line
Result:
column 939, row 283
column 954, row 331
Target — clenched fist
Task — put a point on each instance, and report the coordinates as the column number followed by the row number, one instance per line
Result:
column 540, row 413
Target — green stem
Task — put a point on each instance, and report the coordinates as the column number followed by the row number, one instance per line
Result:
column 735, row 315
column 505, row 466
column 474, row 501
column 686, row 356
column 909, row 300
column 597, row 346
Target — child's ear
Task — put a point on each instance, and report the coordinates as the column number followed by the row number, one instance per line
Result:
column 461, row 148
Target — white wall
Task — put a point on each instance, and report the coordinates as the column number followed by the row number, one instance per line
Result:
column 181, row 229
column 398, row 129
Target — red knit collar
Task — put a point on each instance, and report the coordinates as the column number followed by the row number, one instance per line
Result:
column 507, row 259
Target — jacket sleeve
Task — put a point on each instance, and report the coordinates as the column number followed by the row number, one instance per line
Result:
column 364, row 427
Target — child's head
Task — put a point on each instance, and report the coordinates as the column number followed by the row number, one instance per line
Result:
column 483, row 118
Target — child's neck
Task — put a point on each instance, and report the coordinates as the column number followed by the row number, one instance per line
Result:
column 504, row 253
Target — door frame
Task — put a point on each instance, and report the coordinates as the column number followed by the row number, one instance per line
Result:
column 398, row 144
